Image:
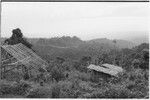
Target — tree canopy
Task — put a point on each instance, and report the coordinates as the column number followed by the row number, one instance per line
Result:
column 17, row 37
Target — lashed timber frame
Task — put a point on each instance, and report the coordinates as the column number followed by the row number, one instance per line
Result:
column 21, row 55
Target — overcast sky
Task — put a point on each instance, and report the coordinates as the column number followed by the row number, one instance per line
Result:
column 87, row 20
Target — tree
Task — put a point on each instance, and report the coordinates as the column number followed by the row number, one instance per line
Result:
column 145, row 54
column 57, row 73
column 136, row 63
column 17, row 37
column 114, row 41
column 86, row 60
column 60, row 60
column 145, row 59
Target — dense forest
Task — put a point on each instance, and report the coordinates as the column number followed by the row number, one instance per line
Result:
column 68, row 76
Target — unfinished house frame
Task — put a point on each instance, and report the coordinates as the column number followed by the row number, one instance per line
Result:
column 20, row 57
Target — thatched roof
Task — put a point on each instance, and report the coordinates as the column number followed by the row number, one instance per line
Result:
column 107, row 69
column 25, row 56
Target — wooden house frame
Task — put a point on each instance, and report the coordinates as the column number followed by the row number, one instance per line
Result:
column 18, row 55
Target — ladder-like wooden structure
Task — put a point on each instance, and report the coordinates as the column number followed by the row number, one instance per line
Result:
column 21, row 55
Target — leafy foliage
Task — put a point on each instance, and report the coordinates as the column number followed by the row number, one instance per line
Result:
column 17, row 37
column 57, row 73
column 15, row 88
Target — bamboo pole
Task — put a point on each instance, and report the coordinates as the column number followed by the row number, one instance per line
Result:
column 0, row 43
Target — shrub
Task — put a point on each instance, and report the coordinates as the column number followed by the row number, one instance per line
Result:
column 21, row 88
column 146, row 75
column 62, row 89
column 55, row 91
column 40, row 92
column 121, row 77
column 13, row 76
column 110, row 92
column 84, row 76
column 71, row 89
column 6, row 89
column 80, row 75
column 16, row 89
column 50, row 66
column 67, row 66
column 117, row 91
column 135, row 74
column 67, row 90
column 57, row 73
column 127, row 89
column 76, row 65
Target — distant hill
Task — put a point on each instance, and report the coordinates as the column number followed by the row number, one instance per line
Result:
column 117, row 44
column 32, row 40
column 65, row 41
column 74, row 48
column 138, row 37
column 75, row 42
column 139, row 40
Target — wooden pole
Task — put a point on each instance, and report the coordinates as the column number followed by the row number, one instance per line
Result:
column 4, row 73
column 1, row 73
column 0, row 45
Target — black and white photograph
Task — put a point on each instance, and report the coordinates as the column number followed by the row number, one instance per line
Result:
column 96, row 50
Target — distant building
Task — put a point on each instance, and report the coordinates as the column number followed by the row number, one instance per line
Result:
column 105, row 70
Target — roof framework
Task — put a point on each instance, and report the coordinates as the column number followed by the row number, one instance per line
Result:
column 24, row 56
column 107, row 69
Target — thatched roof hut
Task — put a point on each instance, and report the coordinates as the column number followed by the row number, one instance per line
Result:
column 108, row 69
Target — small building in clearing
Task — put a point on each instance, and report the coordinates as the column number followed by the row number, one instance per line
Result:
column 105, row 70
